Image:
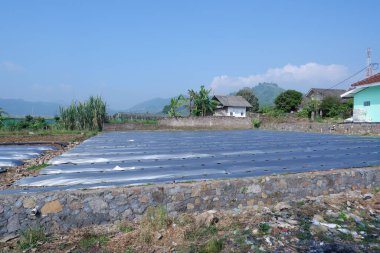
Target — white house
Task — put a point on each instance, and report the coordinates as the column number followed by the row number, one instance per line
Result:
column 235, row 106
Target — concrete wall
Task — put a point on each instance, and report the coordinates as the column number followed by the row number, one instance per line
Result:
column 369, row 113
column 363, row 128
column 64, row 210
column 129, row 127
column 217, row 122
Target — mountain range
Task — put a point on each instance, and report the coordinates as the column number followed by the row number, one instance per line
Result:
column 265, row 92
column 20, row 107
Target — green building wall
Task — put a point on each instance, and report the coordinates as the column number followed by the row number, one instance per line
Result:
column 369, row 113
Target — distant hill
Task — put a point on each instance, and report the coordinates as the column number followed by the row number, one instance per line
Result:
column 20, row 107
column 266, row 93
column 153, row 106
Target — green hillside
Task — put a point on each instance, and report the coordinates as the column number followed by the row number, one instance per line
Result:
column 153, row 106
column 266, row 93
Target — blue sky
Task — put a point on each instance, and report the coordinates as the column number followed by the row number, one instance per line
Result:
column 131, row 51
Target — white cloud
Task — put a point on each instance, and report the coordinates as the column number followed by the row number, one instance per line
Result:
column 290, row 76
column 9, row 66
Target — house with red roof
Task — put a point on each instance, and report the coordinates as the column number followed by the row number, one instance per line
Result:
column 366, row 95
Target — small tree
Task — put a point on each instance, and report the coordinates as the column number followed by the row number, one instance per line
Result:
column 330, row 106
column 346, row 108
column 166, row 109
column 175, row 103
column 248, row 95
column 2, row 114
column 203, row 104
column 288, row 100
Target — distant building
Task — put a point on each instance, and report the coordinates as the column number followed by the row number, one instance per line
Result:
column 235, row 106
column 320, row 94
column 366, row 94
column 317, row 95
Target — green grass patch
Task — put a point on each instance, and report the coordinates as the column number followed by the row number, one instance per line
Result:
column 126, row 229
column 90, row 241
column 212, row 246
column 300, row 203
column 30, row 237
column 156, row 218
column 37, row 167
column 201, row 232
column 304, row 234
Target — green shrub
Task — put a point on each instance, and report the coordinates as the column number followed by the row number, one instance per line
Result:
column 30, row 237
column 256, row 123
column 156, row 218
column 264, row 227
column 288, row 101
column 304, row 113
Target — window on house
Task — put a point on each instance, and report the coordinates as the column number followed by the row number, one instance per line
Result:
column 367, row 103
column 231, row 113
column 241, row 113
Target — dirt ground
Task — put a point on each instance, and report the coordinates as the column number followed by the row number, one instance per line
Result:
column 31, row 167
column 43, row 138
column 345, row 222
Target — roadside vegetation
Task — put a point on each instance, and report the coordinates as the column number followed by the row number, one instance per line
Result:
column 291, row 104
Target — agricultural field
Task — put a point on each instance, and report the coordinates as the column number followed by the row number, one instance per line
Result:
column 131, row 158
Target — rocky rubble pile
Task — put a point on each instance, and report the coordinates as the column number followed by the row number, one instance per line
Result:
column 345, row 222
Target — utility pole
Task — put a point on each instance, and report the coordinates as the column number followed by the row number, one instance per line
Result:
column 369, row 62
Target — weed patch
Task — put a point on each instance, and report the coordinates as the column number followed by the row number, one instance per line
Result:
column 126, row 229
column 90, row 241
column 37, row 167
column 212, row 246
column 264, row 228
column 195, row 235
column 30, row 238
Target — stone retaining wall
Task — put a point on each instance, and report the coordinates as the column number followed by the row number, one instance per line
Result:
column 349, row 128
column 129, row 127
column 64, row 210
column 190, row 123
column 206, row 123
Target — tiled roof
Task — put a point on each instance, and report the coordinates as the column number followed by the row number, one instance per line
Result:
column 372, row 79
column 237, row 101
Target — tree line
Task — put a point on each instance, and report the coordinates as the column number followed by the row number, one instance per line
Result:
column 199, row 103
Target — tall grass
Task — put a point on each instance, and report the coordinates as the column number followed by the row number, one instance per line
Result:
column 89, row 115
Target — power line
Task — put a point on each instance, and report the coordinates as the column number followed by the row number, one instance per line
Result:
column 374, row 65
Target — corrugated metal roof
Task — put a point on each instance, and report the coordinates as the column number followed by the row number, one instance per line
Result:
column 326, row 92
column 237, row 101
column 372, row 79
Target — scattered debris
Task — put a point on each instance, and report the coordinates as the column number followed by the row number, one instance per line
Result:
column 320, row 224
